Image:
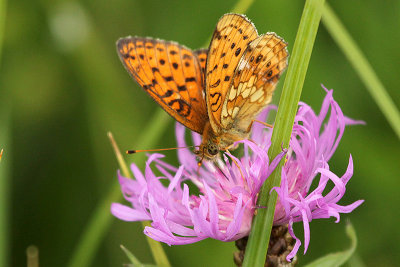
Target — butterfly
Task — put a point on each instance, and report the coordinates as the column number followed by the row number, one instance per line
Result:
column 216, row 92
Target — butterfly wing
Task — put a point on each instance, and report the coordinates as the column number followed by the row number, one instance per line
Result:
column 171, row 74
column 230, row 39
column 254, row 81
column 202, row 56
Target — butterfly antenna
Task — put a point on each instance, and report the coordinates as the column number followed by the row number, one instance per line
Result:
column 154, row 150
column 237, row 165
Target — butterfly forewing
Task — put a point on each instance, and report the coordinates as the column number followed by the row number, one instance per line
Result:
column 171, row 74
column 254, row 81
column 216, row 92
column 230, row 39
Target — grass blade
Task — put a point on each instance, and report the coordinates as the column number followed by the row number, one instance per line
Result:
column 362, row 67
column 338, row 258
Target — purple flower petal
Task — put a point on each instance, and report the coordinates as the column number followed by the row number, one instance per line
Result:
column 128, row 214
column 296, row 245
column 228, row 187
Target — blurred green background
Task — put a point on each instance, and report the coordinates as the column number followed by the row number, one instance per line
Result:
column 62, row 88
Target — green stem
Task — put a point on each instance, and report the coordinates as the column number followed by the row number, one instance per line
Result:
column 157, row 251
column 262, row 224
column 101, row 218
column 362, row 67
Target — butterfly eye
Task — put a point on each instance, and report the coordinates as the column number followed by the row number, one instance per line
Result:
column 212, row 149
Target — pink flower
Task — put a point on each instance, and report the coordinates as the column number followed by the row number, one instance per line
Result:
column 228, row 188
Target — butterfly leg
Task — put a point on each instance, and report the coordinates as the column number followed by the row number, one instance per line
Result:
column 200, row 161
column 264, row 123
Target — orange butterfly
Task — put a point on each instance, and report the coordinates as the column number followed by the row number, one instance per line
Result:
column 216, row 92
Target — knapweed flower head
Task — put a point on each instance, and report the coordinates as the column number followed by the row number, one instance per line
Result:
column 228, row 188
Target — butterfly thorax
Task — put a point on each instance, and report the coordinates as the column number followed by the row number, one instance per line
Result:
column 209, row 145
column 213, row 142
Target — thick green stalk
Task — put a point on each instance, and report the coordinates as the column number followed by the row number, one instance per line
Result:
column 262, row 224
column 362, row 67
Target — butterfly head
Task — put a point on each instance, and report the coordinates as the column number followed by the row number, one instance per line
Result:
column 208, row 150
column 211, row 150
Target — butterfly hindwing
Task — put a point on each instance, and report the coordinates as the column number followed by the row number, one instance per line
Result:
column 216, row 92
column 171, row 74
column 254, row 81
column 202, row 56
column 230, row 39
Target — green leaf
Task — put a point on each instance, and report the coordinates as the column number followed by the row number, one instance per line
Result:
column 135, row 262
column 363, row 68
column 338, row 258
column 356, row 261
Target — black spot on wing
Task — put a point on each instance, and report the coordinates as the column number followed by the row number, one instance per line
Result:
column 182, row 88
column 190, row 79
column 215, row 84
column 216, row 103
column 167, row 94
column 180, row 106
column 237, row 52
